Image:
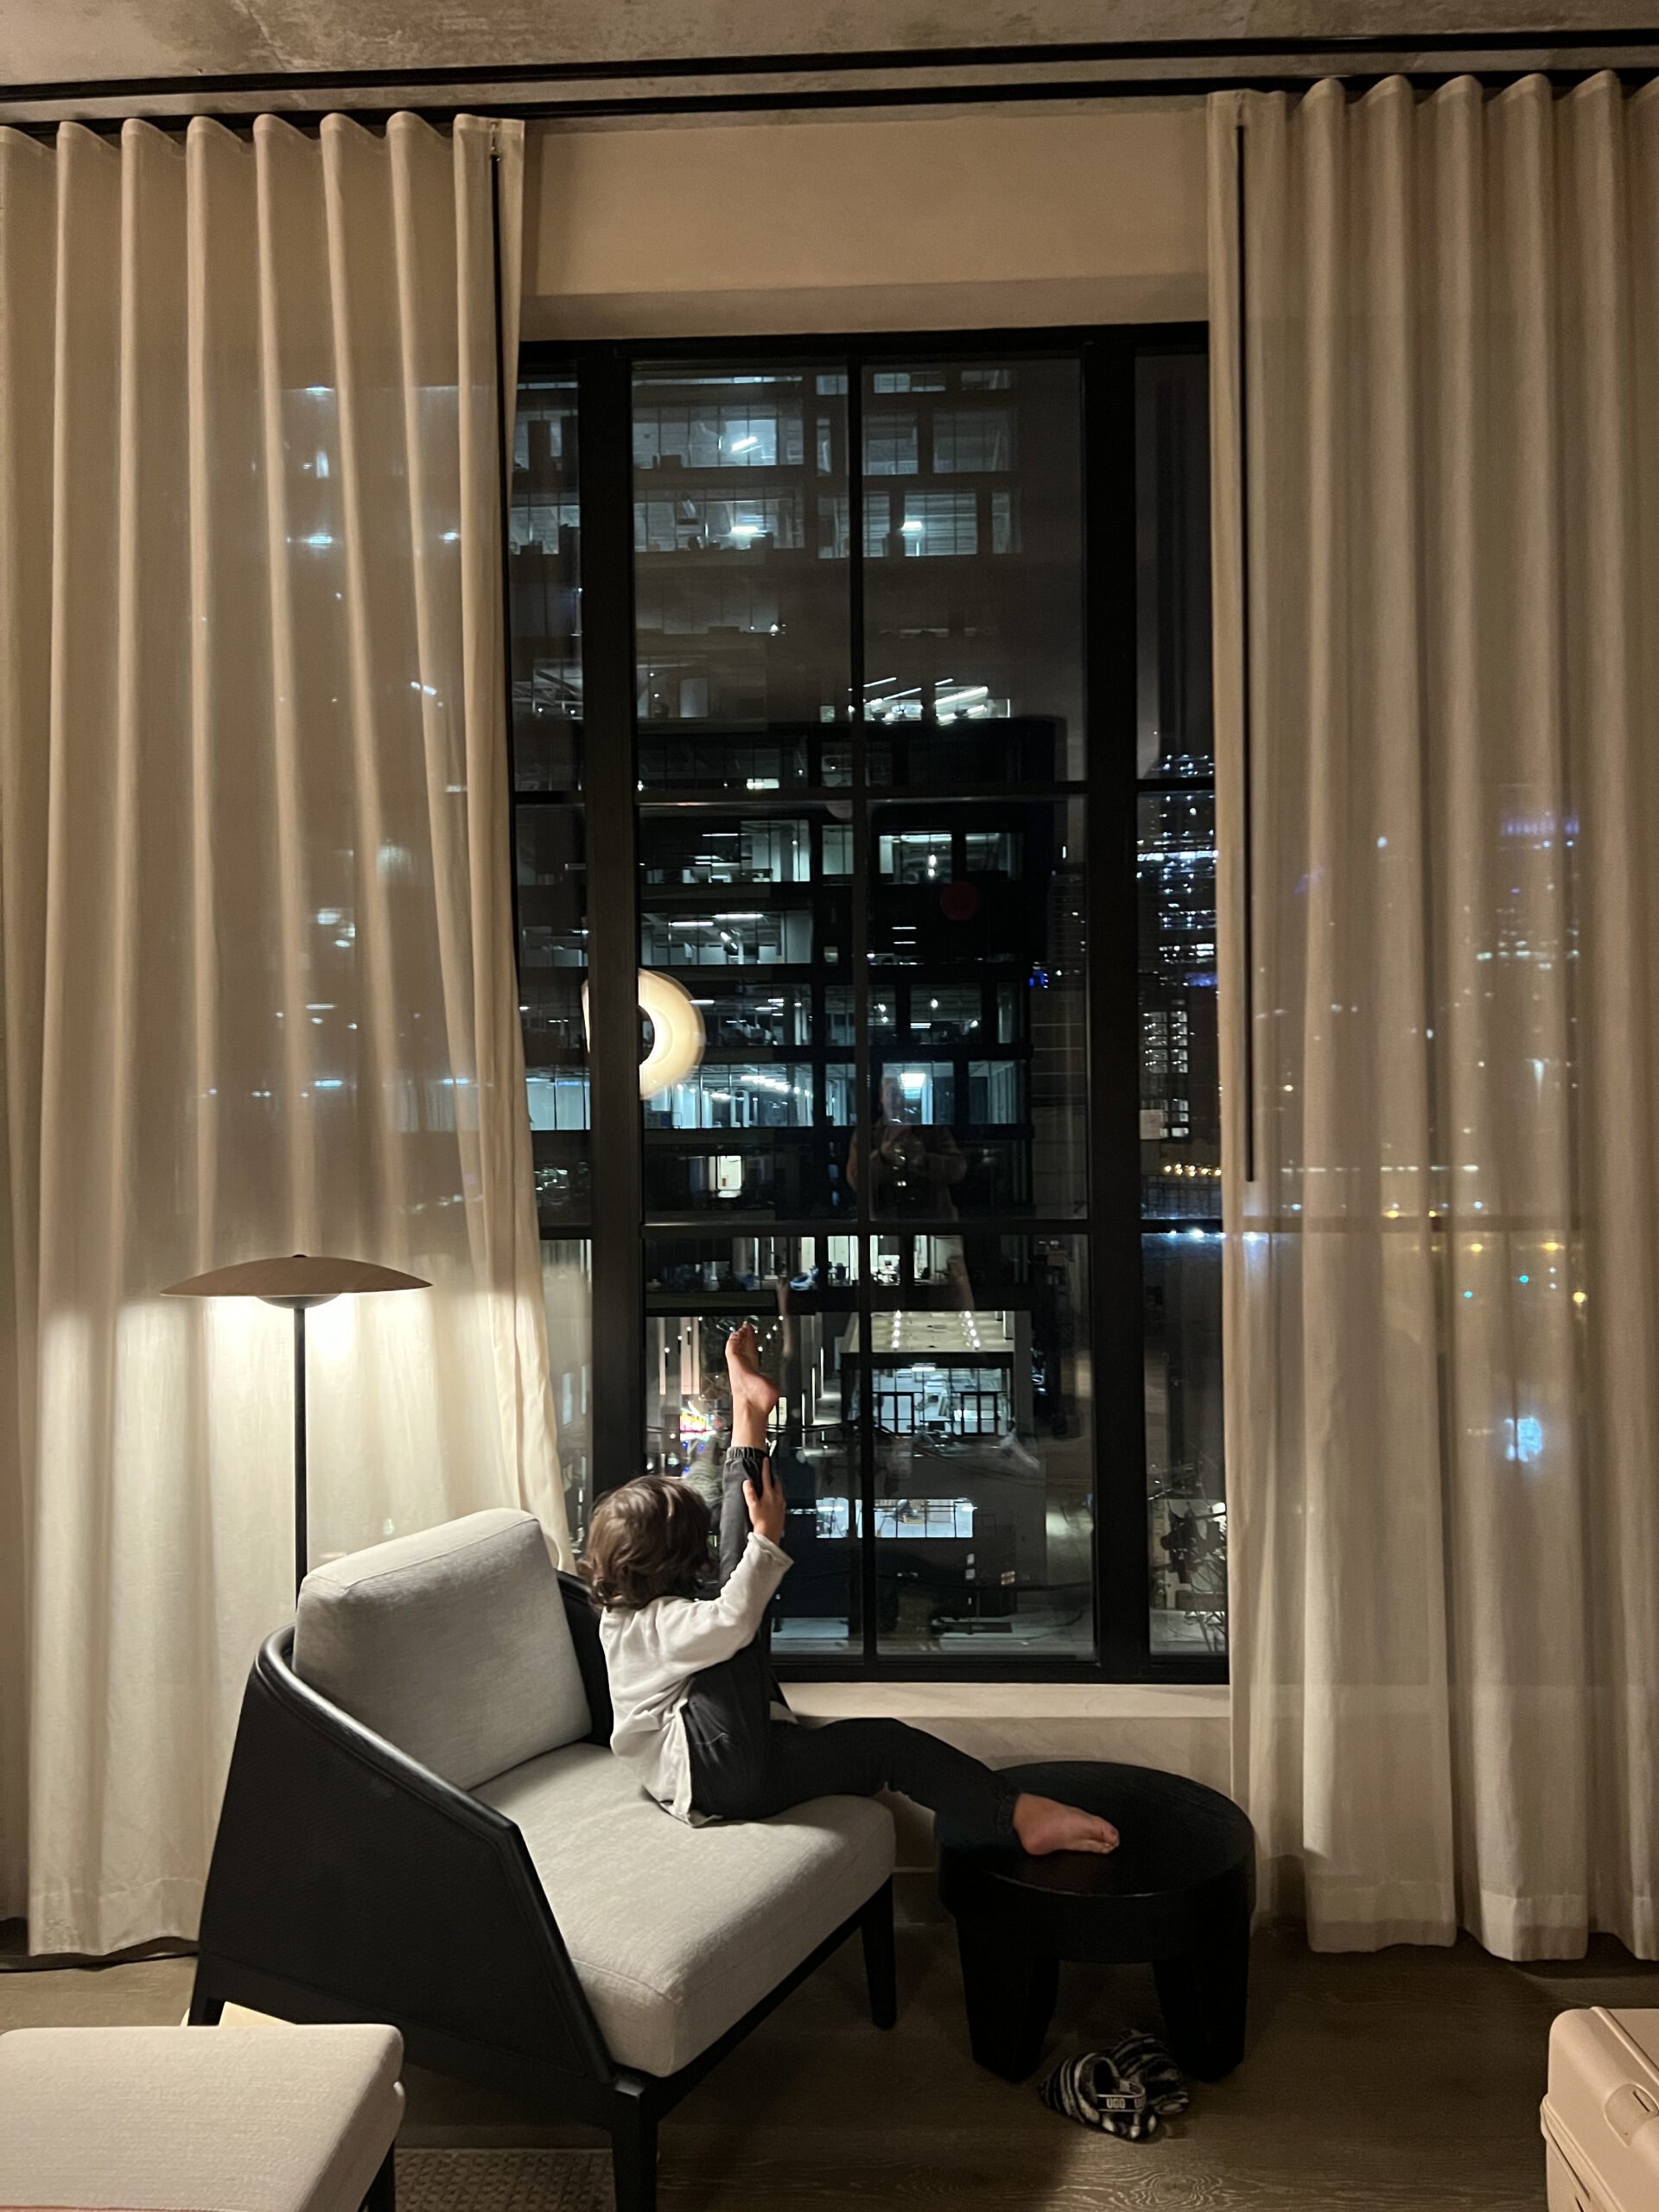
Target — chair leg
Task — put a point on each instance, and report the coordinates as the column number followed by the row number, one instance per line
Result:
column 633, row 2158
column 875, row 1927
column 205, row 2007
column 382, row 2190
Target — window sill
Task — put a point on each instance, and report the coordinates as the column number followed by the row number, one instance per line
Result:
column 1032, row 1702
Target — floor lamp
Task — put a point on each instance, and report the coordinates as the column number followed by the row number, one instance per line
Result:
column 298, row 1283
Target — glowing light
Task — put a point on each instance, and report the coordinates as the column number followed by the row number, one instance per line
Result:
column 1524, row 1440
column 677, row 1032
column 696, row 1427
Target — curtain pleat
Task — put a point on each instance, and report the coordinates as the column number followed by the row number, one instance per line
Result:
column 257, row 976
column 1441, row 1298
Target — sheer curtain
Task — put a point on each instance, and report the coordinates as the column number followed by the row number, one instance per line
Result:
column 256, row 959
column 1442, row 1019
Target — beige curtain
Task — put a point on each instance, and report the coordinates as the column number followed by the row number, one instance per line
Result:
column 257, row 964
column 1442, row 1021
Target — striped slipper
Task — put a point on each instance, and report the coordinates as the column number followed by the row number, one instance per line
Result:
column 1125, row 2090
column 1144, row 2058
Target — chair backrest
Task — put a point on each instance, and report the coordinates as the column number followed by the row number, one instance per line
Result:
column 452, row 1643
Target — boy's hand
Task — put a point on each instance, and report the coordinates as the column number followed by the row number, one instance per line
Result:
column 767, row 1507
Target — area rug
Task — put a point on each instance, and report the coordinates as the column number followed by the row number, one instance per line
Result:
column 504, row 2181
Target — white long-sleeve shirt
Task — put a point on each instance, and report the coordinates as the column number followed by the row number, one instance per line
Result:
column 651, row 1653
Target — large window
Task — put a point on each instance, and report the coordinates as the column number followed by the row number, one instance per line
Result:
column 860, row 726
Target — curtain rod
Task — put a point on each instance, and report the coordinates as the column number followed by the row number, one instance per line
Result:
column 950, row 75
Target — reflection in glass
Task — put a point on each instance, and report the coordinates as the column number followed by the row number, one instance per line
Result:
column 552, row 969
column 543, row 585
column 799, row 1292
column 978, row 1025
column 973, row 543
column 983, row 1491
column 1186, row 1512
column 568, row 1297
column 741, row 612
column 1180, row 1096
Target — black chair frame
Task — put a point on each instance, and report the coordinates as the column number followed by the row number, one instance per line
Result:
column 350, row 1883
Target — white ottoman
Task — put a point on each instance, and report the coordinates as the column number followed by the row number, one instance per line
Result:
column 259, row 2120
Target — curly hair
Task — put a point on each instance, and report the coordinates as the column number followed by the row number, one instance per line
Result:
column 648, row 1539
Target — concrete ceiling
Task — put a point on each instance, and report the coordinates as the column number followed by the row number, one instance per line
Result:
column 56, row 41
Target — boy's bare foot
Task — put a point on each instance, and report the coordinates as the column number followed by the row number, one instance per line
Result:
column 1043, row 1824
column 749, row 1386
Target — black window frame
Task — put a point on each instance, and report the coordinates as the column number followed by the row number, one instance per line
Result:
column 1114, row 1225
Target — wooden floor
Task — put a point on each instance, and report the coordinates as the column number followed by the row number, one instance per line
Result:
column 1407, row 2081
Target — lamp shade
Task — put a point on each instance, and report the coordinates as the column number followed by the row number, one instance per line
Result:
column 310, row 1277
column 296, row 1280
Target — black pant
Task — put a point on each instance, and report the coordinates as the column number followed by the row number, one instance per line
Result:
column 745, row 1765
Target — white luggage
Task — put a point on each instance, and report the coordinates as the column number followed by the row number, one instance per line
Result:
column 1601, row 2116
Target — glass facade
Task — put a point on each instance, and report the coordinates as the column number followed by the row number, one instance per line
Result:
column 866, row 851
column 1181, row 1094
column 741, row 609
column 801, row 1292
column 545, row 575
column 982, row 1426
column 974, row 580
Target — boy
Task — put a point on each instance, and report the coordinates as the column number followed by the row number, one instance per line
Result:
column 691, row 1683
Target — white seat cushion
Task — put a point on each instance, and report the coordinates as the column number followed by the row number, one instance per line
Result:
column 452, row 1643
column 676, row 1931
column 260, row 2119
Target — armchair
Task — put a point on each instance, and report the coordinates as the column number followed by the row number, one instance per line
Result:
column 423, row 1825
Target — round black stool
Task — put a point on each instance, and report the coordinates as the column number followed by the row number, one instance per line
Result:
column 1178, row 1892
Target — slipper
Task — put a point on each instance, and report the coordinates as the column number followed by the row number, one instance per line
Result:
column 1125, row 2090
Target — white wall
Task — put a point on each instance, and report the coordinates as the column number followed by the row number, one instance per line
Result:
column 939, row 222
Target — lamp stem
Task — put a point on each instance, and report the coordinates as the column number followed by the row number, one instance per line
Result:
column 301, row 1548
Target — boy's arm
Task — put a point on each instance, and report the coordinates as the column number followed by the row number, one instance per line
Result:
column 702, row 1631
